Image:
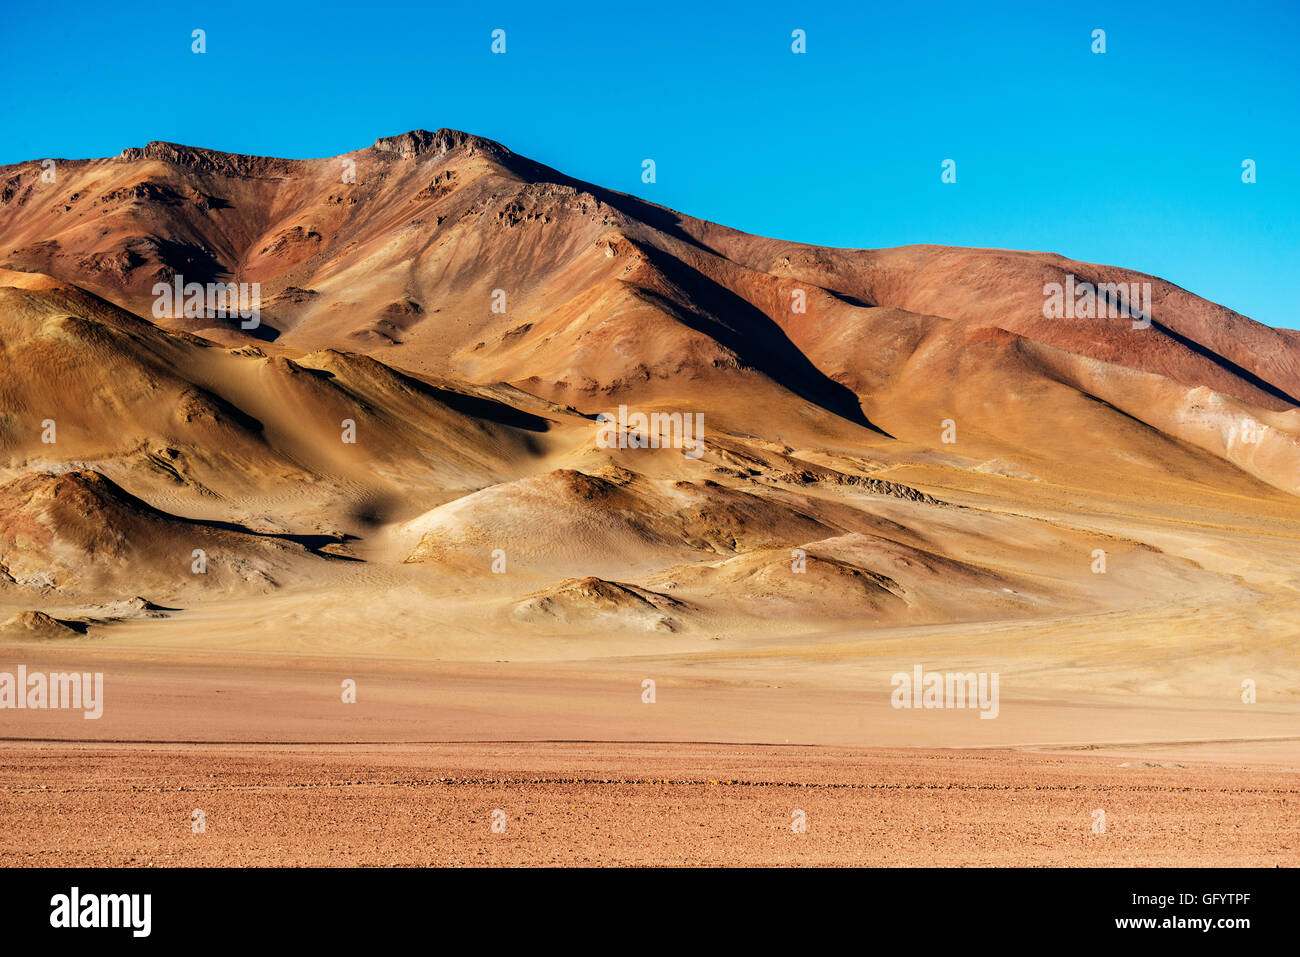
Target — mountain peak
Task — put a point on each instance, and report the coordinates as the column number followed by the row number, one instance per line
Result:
column 419, row 142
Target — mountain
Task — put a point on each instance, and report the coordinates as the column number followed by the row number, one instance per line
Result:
column 890, row 437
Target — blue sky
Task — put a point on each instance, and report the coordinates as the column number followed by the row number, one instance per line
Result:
column 1131, row 157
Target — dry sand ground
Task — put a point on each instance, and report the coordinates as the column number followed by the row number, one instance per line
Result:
column 410, row 775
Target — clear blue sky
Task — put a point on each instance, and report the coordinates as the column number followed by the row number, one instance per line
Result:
column 1132, row 157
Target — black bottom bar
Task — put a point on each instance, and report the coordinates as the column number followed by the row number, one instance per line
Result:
column 948, row 907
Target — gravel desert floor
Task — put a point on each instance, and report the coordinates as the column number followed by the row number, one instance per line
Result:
column 634, row 804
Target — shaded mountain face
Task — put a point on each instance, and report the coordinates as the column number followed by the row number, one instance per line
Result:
column 447, row 254
column 445, row 332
